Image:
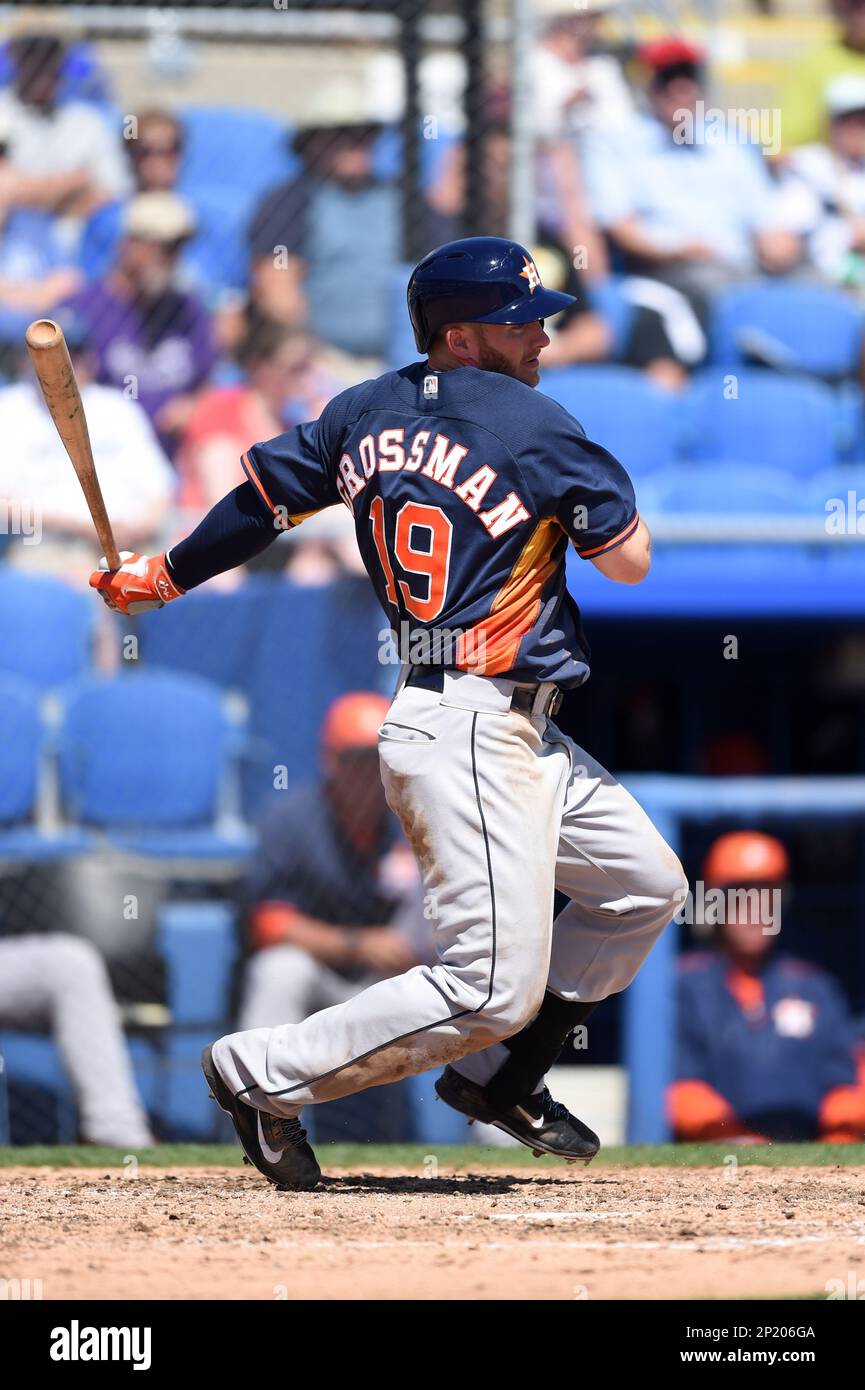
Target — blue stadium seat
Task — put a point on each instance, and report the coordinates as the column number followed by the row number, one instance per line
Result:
column 199, row 945
column 234, row 148
column 316, row 644
column 725, row 489
column 805, row 327
column 620, row 409
column 20, row 747
column 773, row 421
column 22, row 740
column 147, row 758
column 850, row 422
column 606, row 298
column 45, row 629
column 212, row 634
column 33, row 1060
column 729, row 491
column 401, row 347
column 387, row 152
column 838, row 495
column 217, row 255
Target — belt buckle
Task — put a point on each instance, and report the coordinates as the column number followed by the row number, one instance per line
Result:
column 554, row 703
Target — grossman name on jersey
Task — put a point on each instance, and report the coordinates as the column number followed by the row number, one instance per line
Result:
column 386, row 453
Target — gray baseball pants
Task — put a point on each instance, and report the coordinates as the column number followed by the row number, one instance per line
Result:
column 501, row 809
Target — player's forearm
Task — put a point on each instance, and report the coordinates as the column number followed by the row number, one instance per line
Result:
column 236, row 530
column 272, row 923
column 48, row 190
column 628, row 563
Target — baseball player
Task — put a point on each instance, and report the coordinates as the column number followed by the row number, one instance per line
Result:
column 466, row 486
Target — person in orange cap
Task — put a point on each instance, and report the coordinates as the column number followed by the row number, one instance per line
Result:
column 765, row 1047
column 332, row 899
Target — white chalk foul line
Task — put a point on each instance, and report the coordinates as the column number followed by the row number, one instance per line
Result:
column 696, row 1246
column 560, row 1216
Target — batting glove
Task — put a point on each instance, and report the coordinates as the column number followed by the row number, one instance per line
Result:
column 142, row 582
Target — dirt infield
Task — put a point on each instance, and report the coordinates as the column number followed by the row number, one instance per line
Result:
column 549, row 1232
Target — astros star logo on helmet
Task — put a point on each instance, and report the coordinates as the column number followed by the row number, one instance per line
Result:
column 530, row 273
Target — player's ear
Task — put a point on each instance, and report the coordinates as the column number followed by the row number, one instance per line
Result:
column 455, row 339
column 460, row 341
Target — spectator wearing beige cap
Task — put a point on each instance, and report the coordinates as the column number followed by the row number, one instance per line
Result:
column 324, row 243
column 63, row 158
column 825, row 183
column 150, row 338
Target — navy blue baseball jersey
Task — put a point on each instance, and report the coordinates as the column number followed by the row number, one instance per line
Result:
column 776, row 1054
column 465, row 486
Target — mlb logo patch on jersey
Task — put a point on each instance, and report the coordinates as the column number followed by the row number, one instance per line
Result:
column 430, row 387
column 794, row 1018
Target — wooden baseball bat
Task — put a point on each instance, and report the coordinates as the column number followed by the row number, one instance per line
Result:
column 56, row 376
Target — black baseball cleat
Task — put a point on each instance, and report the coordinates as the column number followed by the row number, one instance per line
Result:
column 276, row 1146
column 544, row 1125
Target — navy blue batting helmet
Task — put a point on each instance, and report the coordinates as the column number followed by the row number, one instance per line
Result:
column 481, row 279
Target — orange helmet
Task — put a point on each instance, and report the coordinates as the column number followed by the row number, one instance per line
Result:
column 353, row 721
column 745, row 856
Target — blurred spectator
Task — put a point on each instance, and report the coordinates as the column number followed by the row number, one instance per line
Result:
column 680, row 208
column 213, row 260
column 580, row 334
column 576, row 88
column 59, row 984
column 324, row 244
column 765, row 1041
column 150, row 338
column 155, row 151
column 585, row 336
column 803, row 105
column 334, row 896
column 826, row 187
column 136, row 478
column 64, row 159
column 734, row 754
column 35, row 272
column 82, row 75
column 154, row 159
column 285, row 385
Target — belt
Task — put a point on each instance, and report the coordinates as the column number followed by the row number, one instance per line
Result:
column 522, row 699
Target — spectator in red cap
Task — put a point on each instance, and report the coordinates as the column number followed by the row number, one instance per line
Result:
column 333, row 895
column 765, row 1041
column 686, row 201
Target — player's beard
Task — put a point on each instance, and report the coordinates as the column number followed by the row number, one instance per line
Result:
column 491, row 361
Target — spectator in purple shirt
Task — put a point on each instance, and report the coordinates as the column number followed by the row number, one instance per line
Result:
column 150, row 339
